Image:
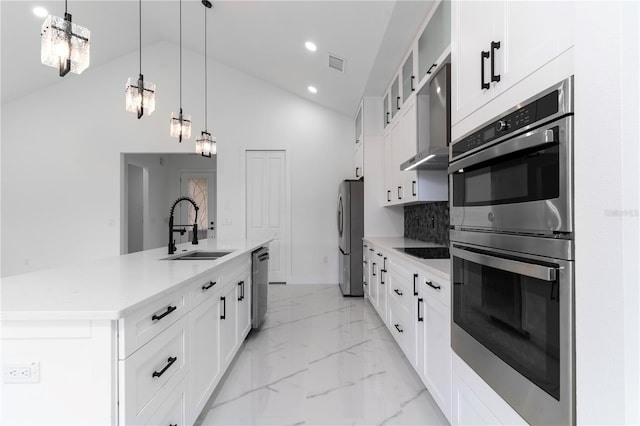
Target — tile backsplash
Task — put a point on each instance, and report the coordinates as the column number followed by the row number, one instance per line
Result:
column 427, row 222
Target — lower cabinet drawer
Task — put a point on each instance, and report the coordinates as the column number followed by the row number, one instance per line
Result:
column 402, row 329
column 152, row 373
column 173, row 411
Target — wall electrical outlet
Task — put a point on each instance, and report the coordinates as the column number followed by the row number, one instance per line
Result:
column 22, row 373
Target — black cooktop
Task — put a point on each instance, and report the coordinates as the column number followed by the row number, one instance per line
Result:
column 426, row 252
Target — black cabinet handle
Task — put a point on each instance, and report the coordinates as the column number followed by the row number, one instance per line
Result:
column 413, row 188
column 495, row 45
column 224, row 307
column 388, row 116
column 388, row 196
column 170, row 362
column 241, row 290
column 430, row 284
column 374, row 269
column 167, row 312
column 397, row 326
column 380, row 254
column 398, row 292
column 382, row 271
column 384, row 264
column 370, row 249
column 357, row 140
column 364, row 261
column 415, row 280
column 357, row 168
column 208, row 286
column 172, row 424
column 398, row 103
column 420, row 300
column 413, row 89
column 431, row 67
column 483, row 56
column 399, row 196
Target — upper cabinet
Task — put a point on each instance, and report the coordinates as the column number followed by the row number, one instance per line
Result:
column 359, row 127
column 386, row 117
column 434, row 40
column 499, row 43
column 395, row 97
column 408, row 77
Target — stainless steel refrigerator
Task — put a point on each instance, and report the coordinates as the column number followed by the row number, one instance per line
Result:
column 351, row 232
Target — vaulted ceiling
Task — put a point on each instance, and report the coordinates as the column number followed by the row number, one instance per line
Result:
column 262, row 38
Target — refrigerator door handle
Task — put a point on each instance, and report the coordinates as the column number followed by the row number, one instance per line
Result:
column 340, row 215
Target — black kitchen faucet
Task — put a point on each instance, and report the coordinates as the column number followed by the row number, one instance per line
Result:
column 174, row 228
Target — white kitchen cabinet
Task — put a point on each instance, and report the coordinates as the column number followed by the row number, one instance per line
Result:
column 358, row 160
column 397, row 189
column 434, row 40
column 408, row 77
column 204, row 322
column 395, row 97
column 496, row 44
column 383, row 287
column 437, row 352
column 244, row 304
column 389, row 172
column 228, row 324
column 150, row 375
column 173, row 411
column 401, row 280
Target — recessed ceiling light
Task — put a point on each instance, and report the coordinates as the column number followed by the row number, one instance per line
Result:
column 40, row 12
column 312, row 89
column 310, row 46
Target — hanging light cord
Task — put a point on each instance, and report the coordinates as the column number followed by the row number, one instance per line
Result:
column 140, row 28
column 181, row 62
column 205, row 69
column 65, row 7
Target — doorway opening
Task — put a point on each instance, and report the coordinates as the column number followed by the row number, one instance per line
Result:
column 165, row 178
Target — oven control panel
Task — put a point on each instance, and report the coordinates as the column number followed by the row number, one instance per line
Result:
column 521, row 117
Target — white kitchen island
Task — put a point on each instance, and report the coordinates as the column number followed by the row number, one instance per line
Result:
column 132, row 339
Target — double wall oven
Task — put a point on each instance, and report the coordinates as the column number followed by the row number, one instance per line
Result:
column 512, row 251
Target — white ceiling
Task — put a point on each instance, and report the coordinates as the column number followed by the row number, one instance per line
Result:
column 262, row 38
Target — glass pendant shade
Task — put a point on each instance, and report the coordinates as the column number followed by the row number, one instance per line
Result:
column 141, row 100
column 64, row 45
column 180, row 126
column 206, row 144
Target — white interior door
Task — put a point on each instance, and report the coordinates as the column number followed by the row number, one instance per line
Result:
column 266, row 206
column 201, row 186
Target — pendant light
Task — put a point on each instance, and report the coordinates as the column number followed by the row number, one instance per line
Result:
column 64, row 44
column 140, row 95
column 180, row 124
column 205, row 144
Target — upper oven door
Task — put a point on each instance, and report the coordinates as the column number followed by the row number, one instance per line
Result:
column 523, row 184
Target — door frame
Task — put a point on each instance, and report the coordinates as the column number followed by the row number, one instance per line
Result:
column 286, row 238
column 214, row 211
column 124, row 200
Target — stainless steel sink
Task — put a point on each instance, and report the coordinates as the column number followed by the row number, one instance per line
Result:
column 200, row 255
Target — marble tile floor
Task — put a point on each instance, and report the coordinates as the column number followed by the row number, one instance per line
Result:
column 320, row 359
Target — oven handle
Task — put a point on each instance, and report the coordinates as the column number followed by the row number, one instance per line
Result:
column 528, row 140
column 521, row 268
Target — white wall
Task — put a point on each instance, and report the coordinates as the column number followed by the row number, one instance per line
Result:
column 62, row 168
column 607, row 189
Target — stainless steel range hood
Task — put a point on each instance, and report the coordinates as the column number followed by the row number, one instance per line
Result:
column 434, row 128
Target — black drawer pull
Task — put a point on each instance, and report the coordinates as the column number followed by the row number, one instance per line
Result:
column 388, row 196
column 398, row 292
column 170, row 362
column 413, row 89
column 224, row 308
column 397, row 326
column 415, row 279
column 380, row 254
column 374, row 269
column 167, row 312
column 382, row 276
column 357, row 168
column 399, row 196
column 420, row 300
column 208, row 286
column 398, row 103
column 413, row 188
column 370, row 249
column 431, row 67
column 430, row 284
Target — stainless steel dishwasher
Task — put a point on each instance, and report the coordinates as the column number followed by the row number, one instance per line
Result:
column 259, row 285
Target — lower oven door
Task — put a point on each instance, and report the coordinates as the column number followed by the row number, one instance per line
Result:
column 513, row 324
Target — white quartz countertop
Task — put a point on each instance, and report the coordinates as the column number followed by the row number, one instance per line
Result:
column 441, row 267
column 108, row 289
